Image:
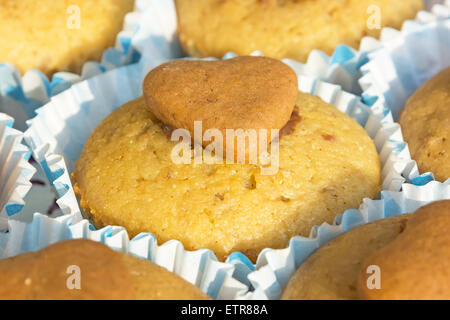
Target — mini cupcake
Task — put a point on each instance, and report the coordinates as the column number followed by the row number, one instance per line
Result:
column 57, row 36
column 398, row 258
column 284, row 29
column 126, row 174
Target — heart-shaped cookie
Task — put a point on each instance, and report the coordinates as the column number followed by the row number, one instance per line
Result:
column 241, row 93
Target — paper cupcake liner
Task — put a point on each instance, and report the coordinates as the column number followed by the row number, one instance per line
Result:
column 15, row 171
column 21, row 96
column 435, row 9
column 404, row 62
column 41, row 197
column 412, row 40
column 406, row 59
column 200, row 267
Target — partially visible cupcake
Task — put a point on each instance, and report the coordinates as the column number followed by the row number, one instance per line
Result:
column 284, row 28
column 84, row 269
column 15, row 172
column 425, row 123
column 126, row 174
column 58, row 35
column 398, row 258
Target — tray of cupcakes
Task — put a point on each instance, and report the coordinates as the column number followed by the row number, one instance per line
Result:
column 253, row 152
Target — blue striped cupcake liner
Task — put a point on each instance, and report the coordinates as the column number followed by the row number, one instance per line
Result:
column 15, row 171
column 404, row 60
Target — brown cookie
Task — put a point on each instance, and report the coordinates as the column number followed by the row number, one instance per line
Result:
column 416, row 264
column 240, row 93
column 104, row 274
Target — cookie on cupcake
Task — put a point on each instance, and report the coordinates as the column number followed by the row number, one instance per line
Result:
column 126, row 174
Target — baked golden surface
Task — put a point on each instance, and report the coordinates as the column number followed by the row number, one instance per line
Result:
column 125, row 176
column 425, row 123
column 35, row 34
column 282, row 28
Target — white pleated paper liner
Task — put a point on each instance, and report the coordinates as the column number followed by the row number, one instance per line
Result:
column 15, row 171
column 404, row 60
column 41, row 197
column 21, row 96
column 200, row 267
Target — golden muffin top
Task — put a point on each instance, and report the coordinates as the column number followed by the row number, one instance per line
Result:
column 58, row 35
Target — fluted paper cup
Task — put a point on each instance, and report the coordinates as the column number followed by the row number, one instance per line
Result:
column 401, row 61
column 15, row 171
